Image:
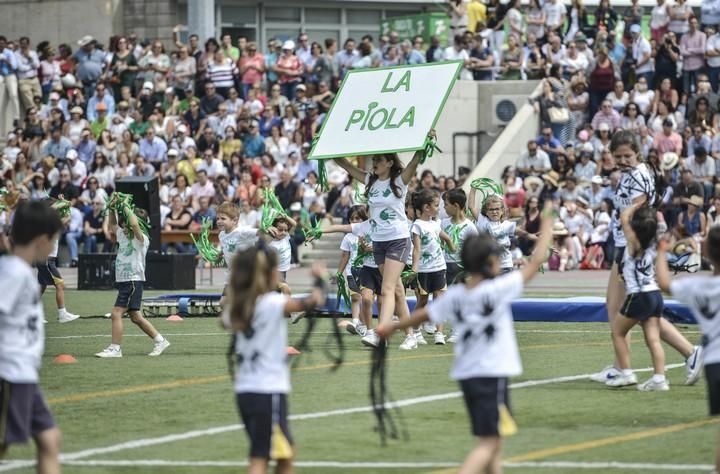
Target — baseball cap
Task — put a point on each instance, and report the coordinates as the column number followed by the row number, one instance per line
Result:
column 148, row 85
column 635, row 28
column 71, row 154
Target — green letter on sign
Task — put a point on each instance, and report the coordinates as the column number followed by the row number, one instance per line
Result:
column 355, row 117
column 409, row 117
column 403, row 82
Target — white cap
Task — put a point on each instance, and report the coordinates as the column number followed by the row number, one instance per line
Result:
column 596, row 180
column 289, row 45
column 172, row 152
column 71, row 154
column 148, row 85
column 182, row 129
column 169, row 90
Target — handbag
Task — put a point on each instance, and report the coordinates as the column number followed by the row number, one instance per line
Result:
column 558, row 114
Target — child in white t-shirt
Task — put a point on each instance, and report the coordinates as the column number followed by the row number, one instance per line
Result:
column 486, row 353
column 350, row 266
column 281, row 244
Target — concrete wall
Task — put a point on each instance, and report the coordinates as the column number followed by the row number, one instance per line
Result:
column 469, row 109
column 60, row 21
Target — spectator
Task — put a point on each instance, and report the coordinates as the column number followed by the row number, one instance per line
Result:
column 101, row 122
column 642, row 97
column 691, row 227
column 65, row 187
column 534, row 161
column 665, row 113
column 602, row 79
column 100, row 97
column 411, row 55
column 210, row 103
column 204, row 212
column 458, row 52
column 286, row 190
column 74, row 234
column 703, row 171
column 585, row 168
column 177, row 219
column 659, row 21
column 692, row 48
column 90, row 64
column 9, row 99
column 93, row 228
column 607, row 115
column 668, row 140
column 550, row 144
column 153, row 149
column 182, row 188
column 254, row 144
column 618, row 97
column 212, row 166
column 103, row 172
column 28, row 64
column 289, row 69
column 512, row 59
column 203, row 187
column 58, row 145
column 698, row 139
column 140, row 167
column 305, row 165
column 632, row 118
column 641, row 54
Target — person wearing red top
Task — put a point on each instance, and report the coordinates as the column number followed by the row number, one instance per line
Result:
column 251, row 66
column 289, row 69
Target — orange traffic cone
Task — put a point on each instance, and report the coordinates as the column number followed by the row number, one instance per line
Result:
column 64, row 359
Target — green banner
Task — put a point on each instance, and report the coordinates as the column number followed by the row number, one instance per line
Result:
column 426, row 25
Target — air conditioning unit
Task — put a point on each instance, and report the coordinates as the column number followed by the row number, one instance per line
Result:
column 504, row 107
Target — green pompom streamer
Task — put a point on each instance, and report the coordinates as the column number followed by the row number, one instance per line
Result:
column 429, row 148
column 123, row 204
column 360, row 257
column 487, row 187
column 358, row 194
column 271, row 210
column 63, row 207
column 204, row 247
column 408, row 276
column 313, row 232
column 322, row 183
column 343, row 294
column 454, row 234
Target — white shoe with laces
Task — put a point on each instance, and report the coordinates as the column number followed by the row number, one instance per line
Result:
column 694, row 365
column 605, row 374
column 652, row 386
column 370, row 339
column 352, row 327
column 622, row 380
column 453, row 337
column 409, row 343
column 420, row 339
column 159, row 348
column 429, row 328
column 109, row 353
column 66, row 317
column 439, row 339
column 361, row 329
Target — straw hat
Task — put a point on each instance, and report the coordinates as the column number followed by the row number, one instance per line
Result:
column 552, row 177
column 669, row 161
column 697, row 201
column 559, row 229
column 85, row 40
column 530, row 180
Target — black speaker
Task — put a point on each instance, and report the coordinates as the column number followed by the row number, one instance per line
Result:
column 145, row 192
column 170, row 271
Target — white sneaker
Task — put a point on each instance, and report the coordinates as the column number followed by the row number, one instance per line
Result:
column 652, row 386
column 420, row 339
column 622, row 380
column 453, row 337
column 429, row 328
column 361, row 329
column 352, row 328
column 295, row 317
column 605, row 374
column 370, row 339
column 159, row 348
column 109, row 353
column 66, row 317
column 108, row 315
column 439, row 339
column 694, row 365
column 409, row 343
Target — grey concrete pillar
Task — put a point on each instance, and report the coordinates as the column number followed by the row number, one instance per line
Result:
column 201, row 18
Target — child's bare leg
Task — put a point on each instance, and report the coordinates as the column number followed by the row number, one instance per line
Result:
column 651, row 330
column 495, row 466
column 355, row 306
column 48, row 451
column 257, row 466
column 670, row 334
column 621, row 326
column 145, row 325
column 717, row 456
column 478, row 460
column 284, row 466
column 436, row 295
column 60, row 294
column 367, row 298
column 615, row 298
column 117, row 324
column 401, row 307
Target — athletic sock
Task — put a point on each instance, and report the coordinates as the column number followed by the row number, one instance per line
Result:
column 627, row 372
column 158, row 338
column 356, row 322
column 115, row 347
column 62, row 310
column 658, row 378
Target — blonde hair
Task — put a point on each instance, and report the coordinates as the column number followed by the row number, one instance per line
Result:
column 229, row 209
column 250, row 277
column 491, row 199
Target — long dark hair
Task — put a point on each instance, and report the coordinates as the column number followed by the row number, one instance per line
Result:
column 422, row 198
column 644, row 223
column 250, row 277
column 395, row 170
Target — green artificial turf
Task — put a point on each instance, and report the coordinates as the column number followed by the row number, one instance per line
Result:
column 100, row 403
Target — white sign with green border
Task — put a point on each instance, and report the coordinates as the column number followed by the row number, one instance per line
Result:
column 385, row 110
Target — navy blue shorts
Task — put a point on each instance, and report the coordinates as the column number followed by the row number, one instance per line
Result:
column 429, row 283
column 455, row 273
column 24, row 414
column 642, row 306
column 370, row 278
column 129, row 295
column 48, row 273
column 398, row 250
column 712, row 375
column 488, row 404
column 353, row 283
column 261, row 413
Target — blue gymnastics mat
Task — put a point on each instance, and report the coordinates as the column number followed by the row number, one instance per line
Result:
column 570, row 310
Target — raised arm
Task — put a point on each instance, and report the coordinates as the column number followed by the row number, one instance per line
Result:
column 543, row 243
column 351, row 169
column 409, row 171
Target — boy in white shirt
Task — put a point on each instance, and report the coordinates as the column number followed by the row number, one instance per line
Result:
column 129, row 278
column 24, row 414
column 281, row 244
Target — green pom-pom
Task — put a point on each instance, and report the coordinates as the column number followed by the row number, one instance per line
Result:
column 204, row 247
column 313, row 232
column 486, row 187
column 343, row 294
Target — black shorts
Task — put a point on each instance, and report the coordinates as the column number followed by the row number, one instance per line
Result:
column 24, row 414
column 488, row 403
column 455, row 273
column 642, row 306
column 429, row 283
column 398, row 250
column 370, row 278
column 261, row 413
column 712, row 375
column 129, row 295
column 352, row 282
column 48, row 273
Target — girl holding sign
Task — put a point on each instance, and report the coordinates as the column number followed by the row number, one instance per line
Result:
column 386, row 189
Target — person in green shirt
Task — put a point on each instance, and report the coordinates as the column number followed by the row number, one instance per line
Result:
column 101, row 121
column 139, row 126
column 228, row 49
column 184, row 104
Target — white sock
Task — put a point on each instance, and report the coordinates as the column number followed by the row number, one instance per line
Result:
column 356, row 322
column 62, row 310
column 114, row 347
column 627, row 372
column 658, row 378
column 158, row 338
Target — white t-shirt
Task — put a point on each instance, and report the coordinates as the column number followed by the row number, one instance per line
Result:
column 260, row 353
column 502, row 232
column 483, row 319
column 639, row 271
column 452, row 54
column 702, row 295
column 553, row 14
column 239, row 239
column 640, row 48
column 22, row 334
column 711, row 43
column 54, row 251
column 363, row 230
column 601, row 232
column 463, row 230
column 349, row 244
column 282, row 247
column 633, row 184
column 130, row 262
column 431, row 252
column 659, row 17
column 214, row 169
column 387, row 212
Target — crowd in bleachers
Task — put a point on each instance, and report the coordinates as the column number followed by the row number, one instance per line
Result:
column 218, row 121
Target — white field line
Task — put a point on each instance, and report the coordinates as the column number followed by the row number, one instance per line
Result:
column 87, row 336
column 146, row 442
column 653, row 467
